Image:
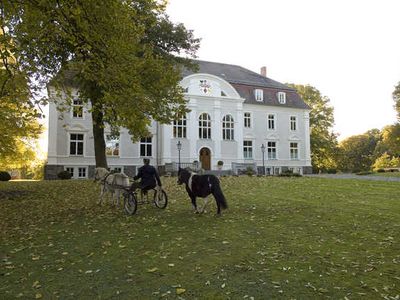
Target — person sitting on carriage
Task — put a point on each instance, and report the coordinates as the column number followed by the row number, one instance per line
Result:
column 149, row 177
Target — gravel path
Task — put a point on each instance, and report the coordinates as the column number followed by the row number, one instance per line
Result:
column 354, row 176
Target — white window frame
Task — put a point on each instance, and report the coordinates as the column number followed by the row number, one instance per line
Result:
column 71, row 171
column 294, row 150
column 115, row 145
column 70, row 141
column 259, row 95
column 281, row 97
column 228, row 128
column 272, row 149
column 148, row 146
column 204, row 126
column 179, row 127
column 248, row 149
column 247, row 119
column 79, row 172
column 77, row 107
column 271, row 121
column 293, row 123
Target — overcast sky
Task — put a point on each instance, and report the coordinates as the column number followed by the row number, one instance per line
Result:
column 349, row 50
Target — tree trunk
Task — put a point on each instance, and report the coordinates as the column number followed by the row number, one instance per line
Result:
column 98, row 139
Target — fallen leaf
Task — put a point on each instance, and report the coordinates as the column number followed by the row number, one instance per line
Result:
column 180, row 291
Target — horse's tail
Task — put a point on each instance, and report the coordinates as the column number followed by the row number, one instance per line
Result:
column 219, row 196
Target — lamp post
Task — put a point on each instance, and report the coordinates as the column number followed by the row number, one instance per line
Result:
column 179, row 147
column 263, row 153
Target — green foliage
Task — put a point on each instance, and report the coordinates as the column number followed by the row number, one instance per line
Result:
column 125, row 60
column 323, row 140
column 386, row 161
column 220, row 163
column 324, row 237
column 389, row 141
column 289, row 173
column 64, row 175
column 4, row 176
column 357, row 153
column 396, row 98
column 249, row 171
column 364, row 173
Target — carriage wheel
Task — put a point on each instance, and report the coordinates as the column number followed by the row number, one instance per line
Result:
column 161, row 199
column 130, row 203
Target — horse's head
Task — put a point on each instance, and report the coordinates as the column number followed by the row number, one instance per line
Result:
column 100, row 173
column 183, row 176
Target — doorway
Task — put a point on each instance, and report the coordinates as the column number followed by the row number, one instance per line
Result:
column 205, row 158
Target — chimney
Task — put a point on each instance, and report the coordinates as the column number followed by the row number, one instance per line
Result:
column 263, row 71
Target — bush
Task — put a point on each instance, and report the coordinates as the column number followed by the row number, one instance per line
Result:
column 64, row 175
column 249, row 171
column 331, row 171
column 364, row 173
column 289, row 173
column 220, row 163
column 381, row 170
column 4, row 176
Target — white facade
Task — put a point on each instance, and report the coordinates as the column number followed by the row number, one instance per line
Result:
column 283, row 130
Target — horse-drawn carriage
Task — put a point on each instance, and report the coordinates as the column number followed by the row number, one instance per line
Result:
column 119, row 183
column 157, row 195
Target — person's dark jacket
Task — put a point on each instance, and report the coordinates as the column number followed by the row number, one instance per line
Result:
column 149, row 177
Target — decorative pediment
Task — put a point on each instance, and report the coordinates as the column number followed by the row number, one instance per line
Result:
column 208, row 85
column 75, row 127
column 272, row 136
column 293, row 137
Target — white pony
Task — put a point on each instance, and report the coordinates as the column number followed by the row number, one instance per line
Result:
column 111, row 182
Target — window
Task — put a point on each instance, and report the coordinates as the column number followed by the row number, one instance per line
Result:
column 76, row 144
column 294, row 151
column 112, row 145
column 271, row 150
column 205, row 126
column 82, row 172
column 180, row 127
column 145, row 146
column 259, row 94
column 247, row 120
column 77, row 108
column 248, row 149
column 70, row 170
column 282, row 97
column 228, row 128
column 293, row 123
column 271, row 122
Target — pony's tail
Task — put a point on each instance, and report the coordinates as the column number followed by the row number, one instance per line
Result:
column 219, row 196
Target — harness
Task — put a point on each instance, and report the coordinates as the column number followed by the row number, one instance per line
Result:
column 190, row 182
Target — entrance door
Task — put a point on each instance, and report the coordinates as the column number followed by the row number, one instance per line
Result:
column 205, row 158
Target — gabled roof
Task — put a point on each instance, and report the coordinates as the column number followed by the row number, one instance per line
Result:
column 245, row 81
column 235, row 74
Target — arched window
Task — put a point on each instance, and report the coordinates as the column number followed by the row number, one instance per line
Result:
column 227, row 128
column 205, row 126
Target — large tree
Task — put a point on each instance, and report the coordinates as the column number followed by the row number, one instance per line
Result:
column 18, row 113
column 123, row 57
column 322, row 138
column 396, row 98
column 358, row 152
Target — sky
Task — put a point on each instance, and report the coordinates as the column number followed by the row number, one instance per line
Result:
column 348, row 49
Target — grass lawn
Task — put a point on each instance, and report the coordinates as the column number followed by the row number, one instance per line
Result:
column 288, row 238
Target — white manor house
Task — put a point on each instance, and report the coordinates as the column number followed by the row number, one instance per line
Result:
column 237, row 116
